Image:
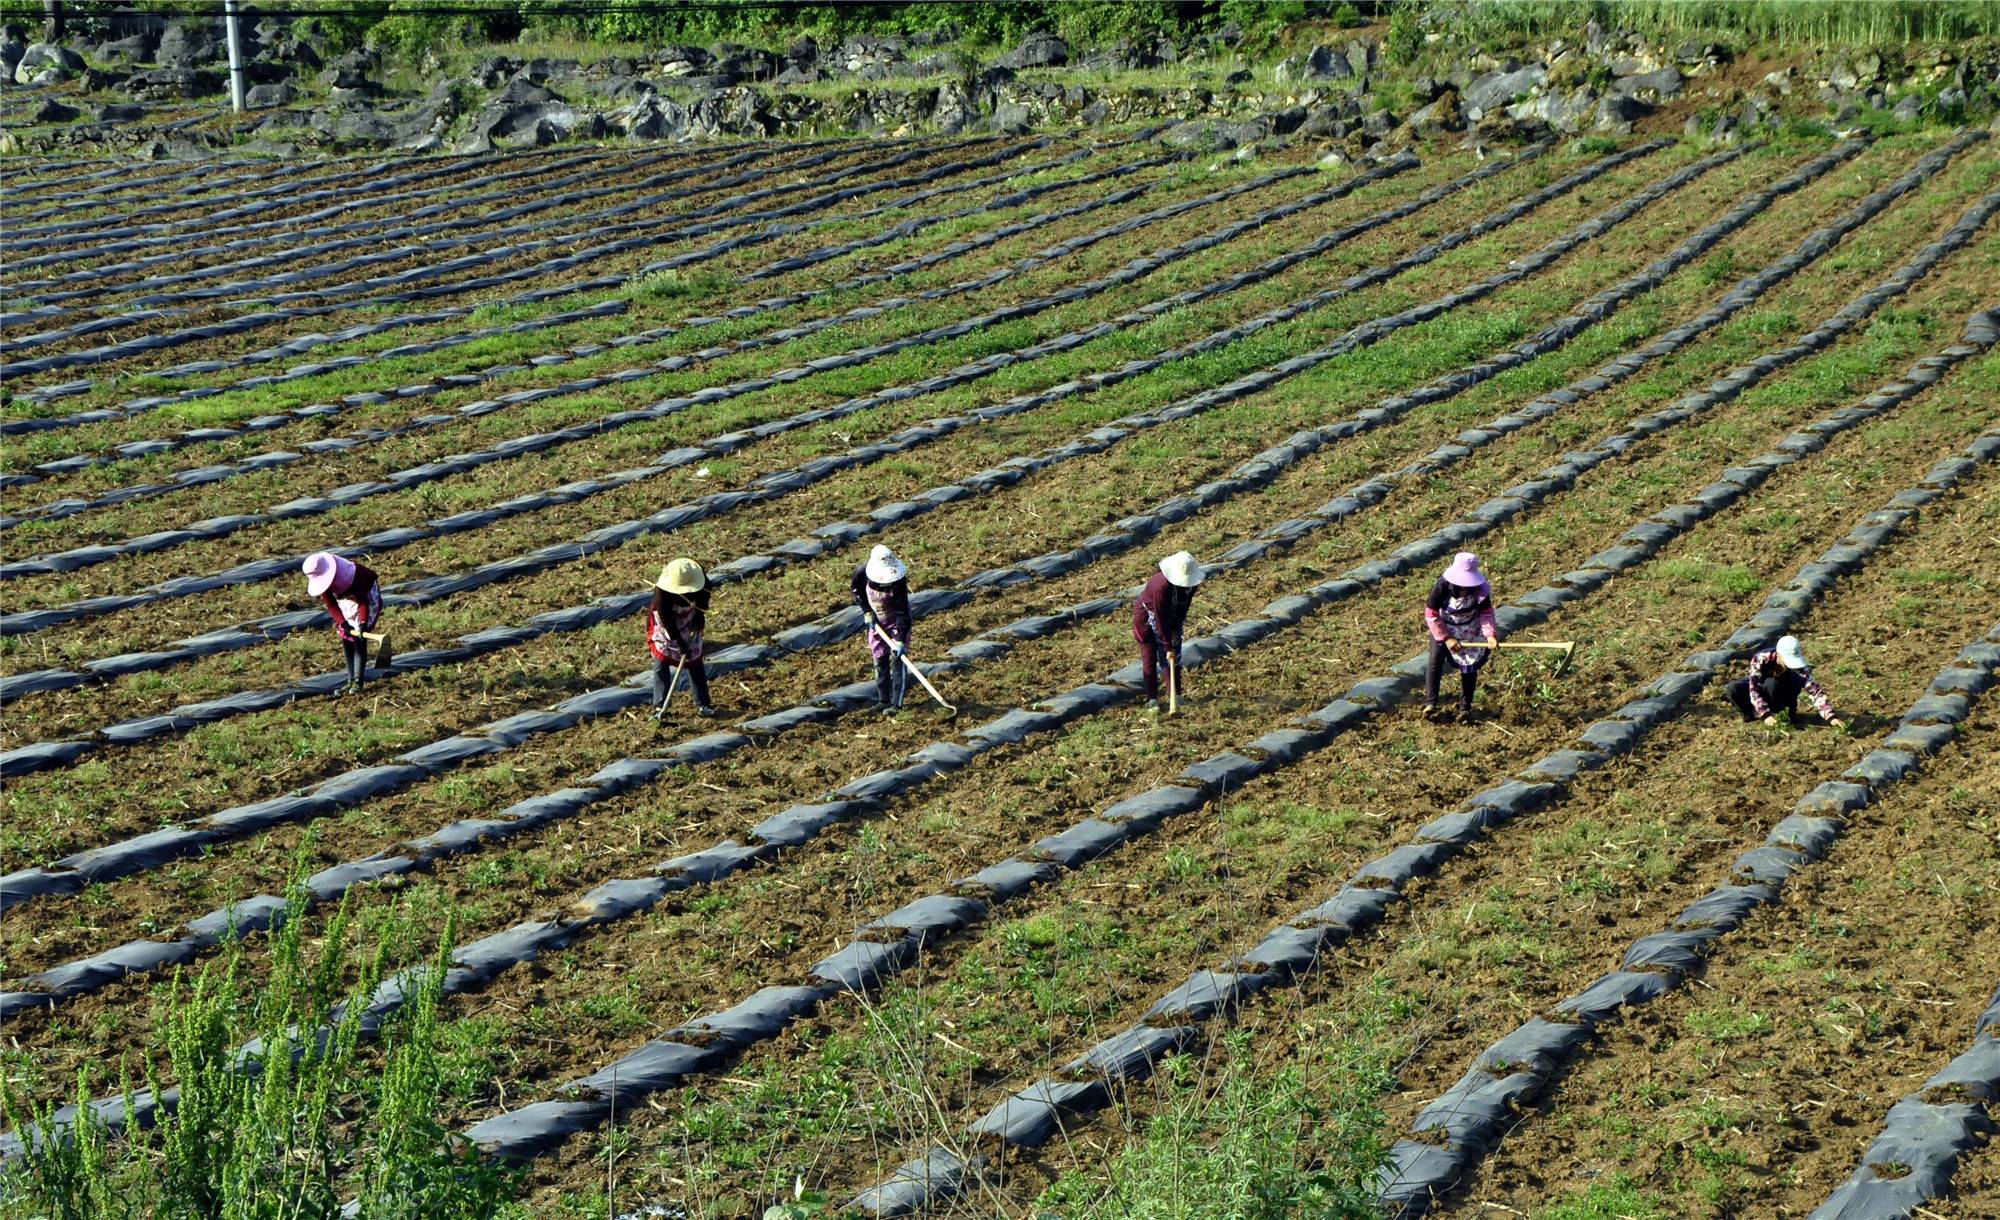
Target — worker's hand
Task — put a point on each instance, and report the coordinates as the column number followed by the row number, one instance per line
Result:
column 868, row 617
column 1837, row 723
column 1771, row 720
column 1492, row 641
column 898, row 647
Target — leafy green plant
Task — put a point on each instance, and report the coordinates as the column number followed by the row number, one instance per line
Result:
column 269, row 1121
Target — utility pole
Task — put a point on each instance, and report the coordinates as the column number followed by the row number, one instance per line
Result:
column 235, row 56
column 52, row 21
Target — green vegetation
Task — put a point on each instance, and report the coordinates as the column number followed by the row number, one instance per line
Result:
column 258, row 1135
column 1833, row 23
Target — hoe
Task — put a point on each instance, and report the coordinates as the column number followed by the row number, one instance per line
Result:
column 1566, row 647
column 916, row 673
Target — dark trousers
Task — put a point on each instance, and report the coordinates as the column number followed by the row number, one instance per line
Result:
column 890, row 680
column 1434, row 672
column 1152, row 659
column 663, row 676
column 1780, row 691
column 356, row 652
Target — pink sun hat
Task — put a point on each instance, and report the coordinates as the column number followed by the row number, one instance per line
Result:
column 325, row 570
column 1464, row 570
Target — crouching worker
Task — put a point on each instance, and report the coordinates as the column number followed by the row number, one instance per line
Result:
column 882, row 590
column 1459, row 610
column 1160, row 615
column 353, row 598
column 674, row 625
column 1778, row 676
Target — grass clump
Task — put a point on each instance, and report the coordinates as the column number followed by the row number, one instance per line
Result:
column 270, row 1122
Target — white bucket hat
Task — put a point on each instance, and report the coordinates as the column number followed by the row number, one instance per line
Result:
column 1182, row 570
column 884, row 568
column 1790, row 654
column 682, row 576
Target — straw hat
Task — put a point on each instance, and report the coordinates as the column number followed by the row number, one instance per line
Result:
column 325, row 570
column 682, row 576
column 1790, row 655
column 884, row 568
column 1182, row 570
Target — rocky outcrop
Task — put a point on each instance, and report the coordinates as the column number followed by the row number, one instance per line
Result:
column 44, row 64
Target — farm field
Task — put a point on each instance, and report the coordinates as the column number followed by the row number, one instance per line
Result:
column 1599, row 949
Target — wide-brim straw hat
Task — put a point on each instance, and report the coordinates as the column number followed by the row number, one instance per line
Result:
column 884, row 568
column 325, row 570
column 1183, row 570
column 1790, row 654
column 682, row 576
column 1464, row 570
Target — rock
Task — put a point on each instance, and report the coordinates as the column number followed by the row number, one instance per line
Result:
column 1361, row 56
column 348, row 78
column 120, row 112
column 45, row 64
column 1909, row 110
column 138, row 49
column 1285, row 122
column 53, row 111
column 1013, row 118
column 1617, row 113
column 1658, row 85
column 522, row 92
column 1496, row 89
column 1564, row 112
column 1242, row 76
column 1040, row 49
column 795, row 74
column 651, row 118
column 358, row 127
column 1214, row 134
column 1440, row 115
column 98, row 80
column 263, row 97
column 185, row 44
column 681, row 61
column 1323, row 122
column 1316, row 64
column 489, row 72
column 165, row 84
column 804, row 53
column 956, row 109
column 1097, row 112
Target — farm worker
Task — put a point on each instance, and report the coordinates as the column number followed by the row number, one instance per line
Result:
column 1459, row 608
column 1778, row 676
column 353, row 597
column 1160, row 614
column 882, row 590
column 674, row 624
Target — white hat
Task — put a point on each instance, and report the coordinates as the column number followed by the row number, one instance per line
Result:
column 1790, row 654
column 682, row 576
column 884, row 568
column 1182, row 569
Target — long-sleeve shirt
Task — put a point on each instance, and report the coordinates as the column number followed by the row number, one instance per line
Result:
column 355, row 608
column 1766, row 665
column 1161, row 612
column 1460, row 612
column 675, row 623
column 890, row 604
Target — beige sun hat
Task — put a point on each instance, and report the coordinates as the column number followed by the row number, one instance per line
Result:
column 883, row 566
column 1183, row 570
column 682, row 576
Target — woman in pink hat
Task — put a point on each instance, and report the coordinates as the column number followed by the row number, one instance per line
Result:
column 353, row 597
column 1460, row 608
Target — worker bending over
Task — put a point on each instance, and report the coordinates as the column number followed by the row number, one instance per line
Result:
column 1159, row 616
column 1778, row 676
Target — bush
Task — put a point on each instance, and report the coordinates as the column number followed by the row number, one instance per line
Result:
column 1406, row 33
